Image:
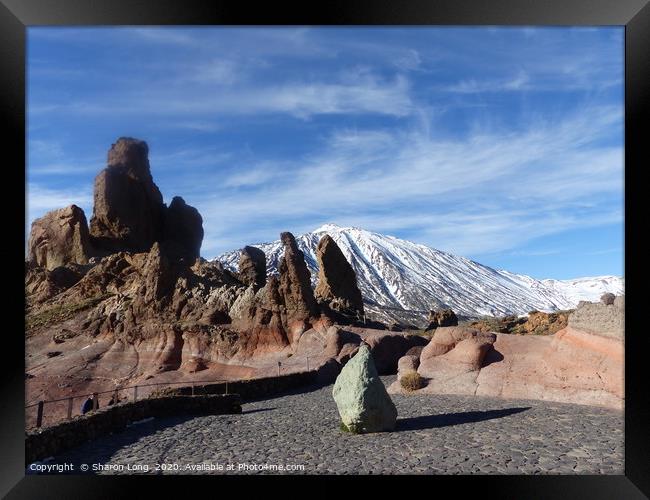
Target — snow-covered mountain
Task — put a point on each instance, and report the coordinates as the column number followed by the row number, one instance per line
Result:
column 589, row 289
column 402, row 281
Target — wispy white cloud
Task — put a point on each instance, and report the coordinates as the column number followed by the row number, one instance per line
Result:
column 299, row 99
column 368, row 94
column 217, row 71
column 410, row 59
column 41, row 199
column 194, row 125
column 61, row 168
column 256, row 176
column 470, row 86
column 512, row 187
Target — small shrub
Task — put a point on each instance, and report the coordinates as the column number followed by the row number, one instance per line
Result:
column 351, row 430
column 412, row 381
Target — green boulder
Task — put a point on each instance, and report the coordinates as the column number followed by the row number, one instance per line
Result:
column 361, row 398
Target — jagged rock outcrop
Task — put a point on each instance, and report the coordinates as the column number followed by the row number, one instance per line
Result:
column 261, row 316
column 159, row 277
column 183, row 228
column 337, row 282
column 444, row 317
column 60, row 237
column 252, row 267
column 41, row 284
column 281, row 311
column 128, row 213
column 295, row 288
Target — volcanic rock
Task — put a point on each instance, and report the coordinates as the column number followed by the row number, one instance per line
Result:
column 361, row 398
column 159, row 276
column 407, row 364
column 260, row 317
column 453, row 351
column 600, row 318
column 337, row 282
column 252, row 267
column 541, row 323
column 283, row 310
column 41, row 284
column 444, row 317
column 582, row 363
column 128, row 209
column 183, row 227
column 388, row 348
column 347, row 352
column 295, row 288
column 608, row 298
column 60, row 237
column 415, row 351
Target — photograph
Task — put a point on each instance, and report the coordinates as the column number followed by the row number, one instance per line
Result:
column 325, row 250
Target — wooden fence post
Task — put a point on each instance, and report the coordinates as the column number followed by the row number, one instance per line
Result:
column 70, row 408
column 135, row 393
column 39, row 414
column 95, row 400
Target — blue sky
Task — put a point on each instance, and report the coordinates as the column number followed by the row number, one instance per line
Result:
column 504, row 145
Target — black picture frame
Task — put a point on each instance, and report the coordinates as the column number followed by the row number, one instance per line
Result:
column 17, row 15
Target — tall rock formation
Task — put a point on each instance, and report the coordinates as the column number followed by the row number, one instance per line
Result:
column 183, row 228
column 278, row 313
column 252, row 267
column 337, row 282
column 128, row 209
column 60, row 237
column 295, row 288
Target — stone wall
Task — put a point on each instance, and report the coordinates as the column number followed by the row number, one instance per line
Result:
column 52, row 440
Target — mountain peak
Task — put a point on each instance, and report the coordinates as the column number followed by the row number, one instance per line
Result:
column 330, row 226
column 336, row 228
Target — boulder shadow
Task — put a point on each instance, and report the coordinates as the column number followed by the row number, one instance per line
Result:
column 448, row 419
column 256, row 410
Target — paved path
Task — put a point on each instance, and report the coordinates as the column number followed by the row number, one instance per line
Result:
column 435, row 435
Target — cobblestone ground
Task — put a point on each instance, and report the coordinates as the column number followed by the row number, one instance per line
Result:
column 435, row 435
